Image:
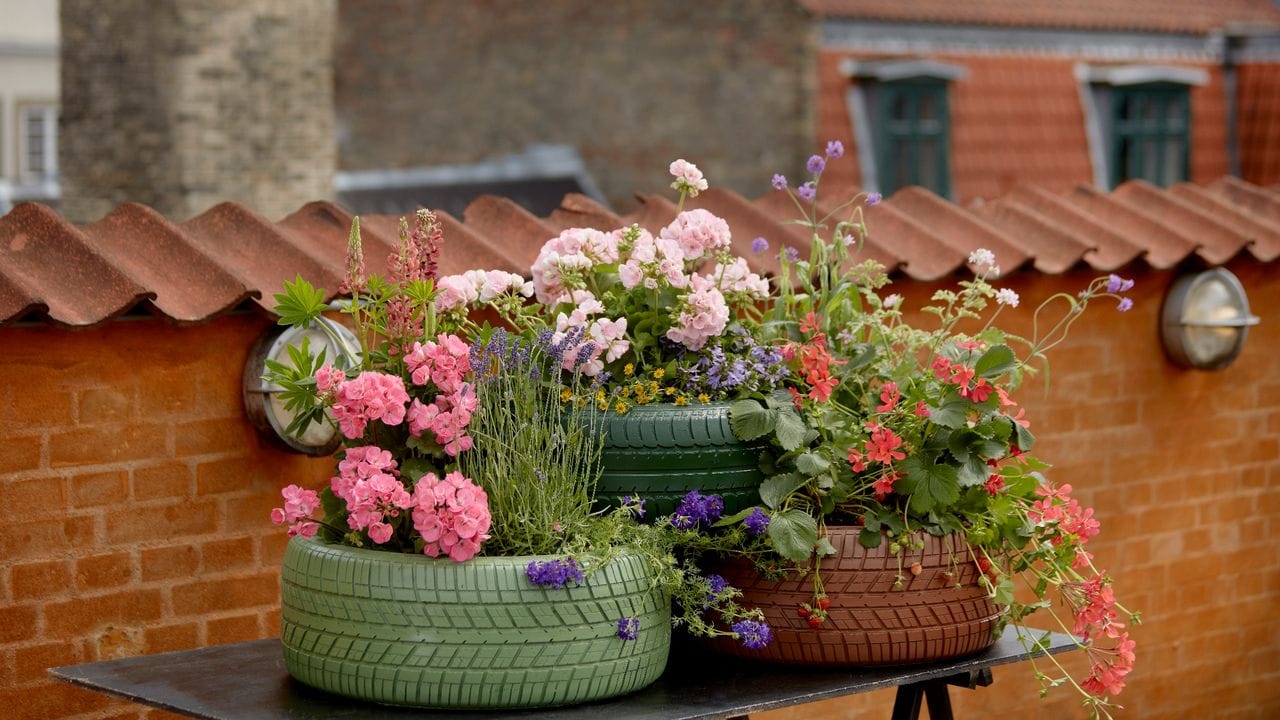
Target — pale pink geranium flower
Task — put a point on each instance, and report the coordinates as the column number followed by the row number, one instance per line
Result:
column 702, row 314
column 653, row 262
column 444, row 362
column 688, row 178
column 736, row 277
column 455, row 291
column 699, row 233
column 570, row 253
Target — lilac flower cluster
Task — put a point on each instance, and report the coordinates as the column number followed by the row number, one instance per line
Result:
column 738, row 364
column 697, row 509
column 757, row 522
column 628, row 628
column 554, row 573
column 753, row 635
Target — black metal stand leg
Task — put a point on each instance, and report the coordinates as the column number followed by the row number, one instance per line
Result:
column 939, row 701
column 906, row 706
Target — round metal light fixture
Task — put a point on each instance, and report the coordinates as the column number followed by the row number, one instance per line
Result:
column 262, row 399
column 1206, row 320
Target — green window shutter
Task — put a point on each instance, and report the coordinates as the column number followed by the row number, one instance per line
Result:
column 913, row 129
column 1150, row 134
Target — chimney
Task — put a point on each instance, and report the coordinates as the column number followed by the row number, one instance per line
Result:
column 186, row 103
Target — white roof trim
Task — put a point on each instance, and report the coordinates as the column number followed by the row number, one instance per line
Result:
column 1140, row 74
column 890, row 70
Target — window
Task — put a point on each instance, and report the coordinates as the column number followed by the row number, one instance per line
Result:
column 38, row 142
column 900, row 113
column 1149, row 138
column 1138, row 122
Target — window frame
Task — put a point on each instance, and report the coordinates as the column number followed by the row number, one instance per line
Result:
column 1126, row 136
column 48, row 111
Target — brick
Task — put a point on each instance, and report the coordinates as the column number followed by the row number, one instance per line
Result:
column 206, row 596
column 17, row 623
column 162, row 481
column 168, row 393
column 102, row 405
column 48, row 699
column 224, row 476
column 271, row 548
column 168, row 638
column 78, row 616
column 271, row 622
column 43, row 409
column 231, row 554
column 113, row 643
column 169, row 562
column 32, row 662
column 99, row 488
column 161, row 522
column 40, row 579
column 20, row 453
column 100, row 445
column 33, row 497
column 104, row 571
column 222, row 435
column 33, row 540
column 157, row 714
column 232, row 629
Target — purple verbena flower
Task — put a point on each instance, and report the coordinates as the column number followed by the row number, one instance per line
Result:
column 718, row 588
column 791, row 253
column 697, row 509
column 753, row 635
column 1117, row 284
column 759, row 245
column 807, row 192
column 633, row 505
column 874, row 198
column 1125, row 305
column 757, row 522
column 628, row 628
column 779, row 182
column 816, row 164
column 835, row 149
column 554, row 573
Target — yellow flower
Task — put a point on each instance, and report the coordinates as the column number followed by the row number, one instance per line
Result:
column 629, row 369
column 626, row 391
column 659, row 373
column 566, row 395
column 602, row 405
column 704, row 398
column 653, row 387
column 600, row 394
column 670, row 391
column 620, row 408
column 682, row 400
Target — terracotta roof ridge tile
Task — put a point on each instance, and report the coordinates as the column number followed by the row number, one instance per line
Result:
column 1263, row 239
column 1108, row 250
column 1216, row 242
column 1164, row 246
column 522, row 232
column 578, row 210
column 922, row 254
column 1053, row 250
column 975, row 232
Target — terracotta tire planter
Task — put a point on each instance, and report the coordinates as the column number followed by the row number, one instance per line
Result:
column 662, row 451
column 411, row 630
column 869, row 622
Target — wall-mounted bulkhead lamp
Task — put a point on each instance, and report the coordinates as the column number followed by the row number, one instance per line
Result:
column 1206, row 320
column 262, row 399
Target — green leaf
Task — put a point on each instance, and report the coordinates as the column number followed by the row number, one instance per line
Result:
column 870, row 538
column 996, row 361
column 415, row 468
column 825, row 548
column 750, row 420
column 735, row 518
column 1004, row 591
column 972, row 472
column 300, row 303
column 811, row 464
column 1023, row 437
column 775, row 490
column 952, row 412
column 929, row 485
column 790, row 431
column 793, row 534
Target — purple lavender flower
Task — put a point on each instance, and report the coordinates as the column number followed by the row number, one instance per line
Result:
column 807, row 192
column 1125, row 305
column 835, row 149
column 554, row 573
column 779, row 182
column 874, row 198
column 757, row 522
column 628, row 628
column 791, row 253
column 584, row 354
column 696, row 509
column 753, row 635
column 1117, row 284
column 816, row 164
column 759, row 245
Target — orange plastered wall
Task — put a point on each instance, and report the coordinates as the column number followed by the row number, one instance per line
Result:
column 134, row 501
column 1183, row 470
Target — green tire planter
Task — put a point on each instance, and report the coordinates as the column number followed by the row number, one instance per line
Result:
column 411, row 630
column 662, row 451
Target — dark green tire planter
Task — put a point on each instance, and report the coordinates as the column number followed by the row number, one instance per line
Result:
column 660, row 452
column 411, row 630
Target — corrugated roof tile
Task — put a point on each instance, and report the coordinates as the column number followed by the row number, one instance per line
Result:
column 79, row 276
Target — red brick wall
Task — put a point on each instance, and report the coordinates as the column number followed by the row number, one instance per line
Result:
column 133, row 503
column 1183, row 468
column 134, row 499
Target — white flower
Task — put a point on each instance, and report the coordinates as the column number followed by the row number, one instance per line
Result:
column 688, row 177
column 982, row 257
column 892, row 301
column 1005, row 296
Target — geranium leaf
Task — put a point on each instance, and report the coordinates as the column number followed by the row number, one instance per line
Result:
column 793, row 534
column 929, row 485
column 972, row 472
column 951, row 412
column 750, row 420
column 790, row 430
column 996, row 361
column 1023, row 437
column 775, row 490
column 812, row 464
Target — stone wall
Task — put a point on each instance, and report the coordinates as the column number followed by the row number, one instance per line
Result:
column 181, row 105
column 633, row 85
